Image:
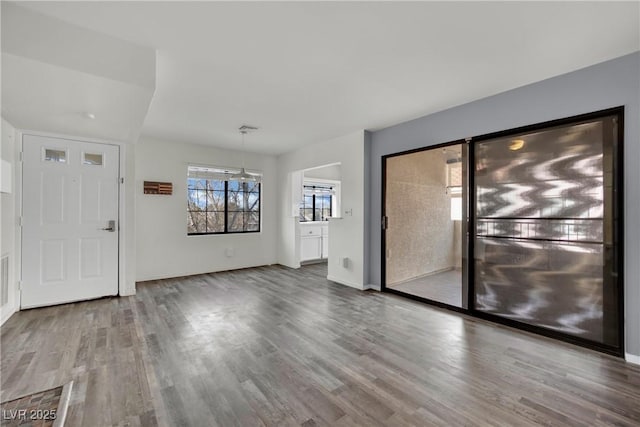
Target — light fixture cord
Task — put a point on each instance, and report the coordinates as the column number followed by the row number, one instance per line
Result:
column 243, row 134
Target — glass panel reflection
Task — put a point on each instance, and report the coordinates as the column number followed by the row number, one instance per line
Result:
column 540, row 227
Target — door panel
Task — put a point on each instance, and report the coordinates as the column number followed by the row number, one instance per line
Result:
column 542, row 214
column 425, row 224
column 69, row 198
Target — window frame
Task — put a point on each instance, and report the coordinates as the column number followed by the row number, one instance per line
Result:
column 304, row 206
column 226, row 208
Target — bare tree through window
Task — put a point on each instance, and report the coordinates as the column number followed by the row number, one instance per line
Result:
column 222, row 206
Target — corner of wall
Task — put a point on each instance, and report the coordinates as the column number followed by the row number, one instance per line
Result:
column 9, row 211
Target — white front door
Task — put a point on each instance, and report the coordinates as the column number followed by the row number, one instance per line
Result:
column 70, row 221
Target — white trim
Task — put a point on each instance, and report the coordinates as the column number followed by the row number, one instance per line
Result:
column 7, row 311
column 189, row 274
column 632, row 358
column 320, row 181
column 345, row 282
column 123, row 183
column 69, row 137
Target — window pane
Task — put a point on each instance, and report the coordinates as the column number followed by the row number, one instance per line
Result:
column 308, row 214
column 215, row 222
column 234, row 222
column 234, row 186
column 192, row 200
column 252, row 221
column 197, row 200
column 236, row 201
column 216, row 185
column 197, row 222
column 215, row 200
column 92, row 159
column 202, row 199
column 51, row 155
column 252, row 187
column 326, row 214
column 253, row 202
column 197, row 183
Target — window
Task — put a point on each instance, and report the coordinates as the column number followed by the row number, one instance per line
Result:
column 316, row 203
column 92, row 159
column 217, row 204
column 52, row 155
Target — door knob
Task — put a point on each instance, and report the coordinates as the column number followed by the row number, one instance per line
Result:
column 111, row 226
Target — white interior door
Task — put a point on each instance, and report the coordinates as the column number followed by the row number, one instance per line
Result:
column 70, row 221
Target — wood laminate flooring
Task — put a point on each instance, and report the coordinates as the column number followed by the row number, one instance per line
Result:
column 275, row 346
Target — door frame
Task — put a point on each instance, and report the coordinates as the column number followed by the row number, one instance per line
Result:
column 618, row 206
column 126, row 220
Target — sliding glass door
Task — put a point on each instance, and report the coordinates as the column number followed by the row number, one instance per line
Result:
column 425, row 214
column 545, row 246
column 539, row 212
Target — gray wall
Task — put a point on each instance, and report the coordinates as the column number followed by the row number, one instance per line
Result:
column 609, row 84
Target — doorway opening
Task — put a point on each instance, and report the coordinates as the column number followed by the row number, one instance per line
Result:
column 316, row 202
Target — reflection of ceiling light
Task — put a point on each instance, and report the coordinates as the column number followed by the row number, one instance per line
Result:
column 516, row 144
column 88, row 115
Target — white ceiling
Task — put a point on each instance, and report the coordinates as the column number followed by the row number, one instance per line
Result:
column 308, row 71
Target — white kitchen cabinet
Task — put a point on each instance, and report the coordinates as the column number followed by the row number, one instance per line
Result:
column 314, row 241
column 310, row 247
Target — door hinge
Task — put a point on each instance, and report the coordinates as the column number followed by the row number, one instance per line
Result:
column 19, row 285
column 20, row 221
column 385, row 222
column 20, row 156
column 121, row 180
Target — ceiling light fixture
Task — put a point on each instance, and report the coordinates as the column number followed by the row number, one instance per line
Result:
column 243, row 175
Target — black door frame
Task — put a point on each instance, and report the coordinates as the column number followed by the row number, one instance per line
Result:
column 464, row 229
column 469, row 228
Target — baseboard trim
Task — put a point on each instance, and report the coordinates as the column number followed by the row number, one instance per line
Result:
column 189, row 274
column 345, row 282
column 372, row 286
column 6, row 315
column 128, row 292
column 632, row 358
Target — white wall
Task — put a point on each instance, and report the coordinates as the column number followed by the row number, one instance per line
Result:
column 9, row 229
column 332, row 172
column 347, row 234
column 163, row 248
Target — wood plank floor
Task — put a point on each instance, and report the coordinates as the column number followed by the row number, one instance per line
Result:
column 274, row 346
